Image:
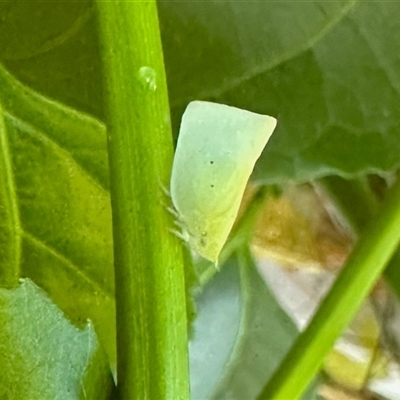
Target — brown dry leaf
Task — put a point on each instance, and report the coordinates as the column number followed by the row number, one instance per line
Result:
column 297, row 230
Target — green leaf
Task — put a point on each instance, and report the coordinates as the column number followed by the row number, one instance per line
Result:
column 248, row 39
column 42, row 355
column 327, row 70
column 53, row 47
column 54, row 194
column 9, row 219
column 240, row 335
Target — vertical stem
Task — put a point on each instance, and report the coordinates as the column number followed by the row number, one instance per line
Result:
column 358, row 205
column 150, row 296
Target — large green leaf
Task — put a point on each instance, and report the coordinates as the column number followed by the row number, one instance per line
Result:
column 42, row 355
column 231, row 42
column 52, row 46
column 56, row 228
column 328, row 70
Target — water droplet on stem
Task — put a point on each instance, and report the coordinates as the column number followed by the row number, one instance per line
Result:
column 147, row 76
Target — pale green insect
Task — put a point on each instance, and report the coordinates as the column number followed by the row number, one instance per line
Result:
column 217, row 148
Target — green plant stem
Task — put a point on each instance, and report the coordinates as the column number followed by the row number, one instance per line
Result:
column 359, row 205
column 353, row 284
column 150, row 297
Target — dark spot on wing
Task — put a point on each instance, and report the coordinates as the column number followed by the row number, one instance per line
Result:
column 203, row 239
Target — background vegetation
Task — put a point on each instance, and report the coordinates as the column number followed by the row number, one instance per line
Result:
column 329, row 71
